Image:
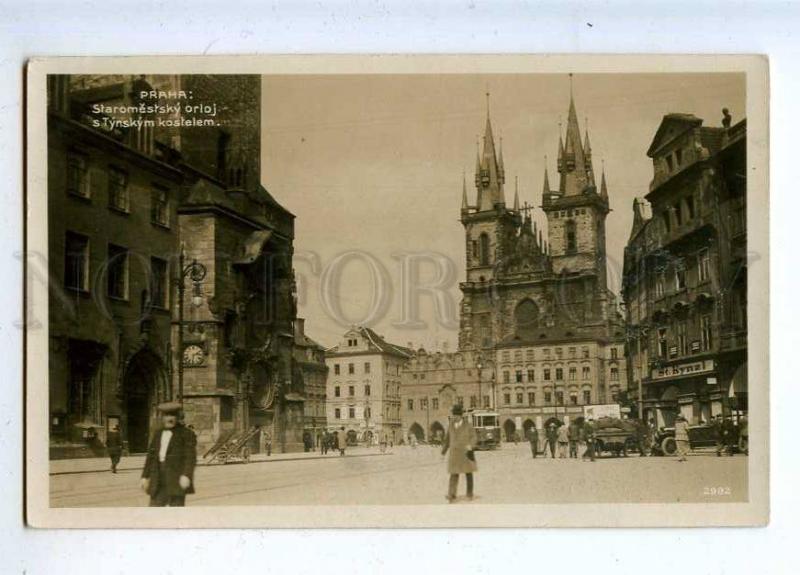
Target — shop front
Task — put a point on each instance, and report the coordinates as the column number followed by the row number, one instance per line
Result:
column 689, row 388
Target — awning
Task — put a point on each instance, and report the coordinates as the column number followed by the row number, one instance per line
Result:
column 739, row 381
column 251, row 247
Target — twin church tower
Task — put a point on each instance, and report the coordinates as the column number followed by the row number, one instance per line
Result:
column 527, row 285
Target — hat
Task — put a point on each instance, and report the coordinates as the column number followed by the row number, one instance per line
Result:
column 458, row 409
column 169, row 407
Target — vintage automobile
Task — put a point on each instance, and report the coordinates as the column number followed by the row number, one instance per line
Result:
column 615, row 436
column 701, row 436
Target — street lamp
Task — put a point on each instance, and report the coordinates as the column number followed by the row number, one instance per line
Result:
column 479, row 365
column 196, row 272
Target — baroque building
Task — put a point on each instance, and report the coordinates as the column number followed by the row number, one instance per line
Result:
column 685, row 274
column 363, row 388
column 536, row 305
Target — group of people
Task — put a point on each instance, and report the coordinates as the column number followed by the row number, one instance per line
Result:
column 567, row 440
column 336, row 441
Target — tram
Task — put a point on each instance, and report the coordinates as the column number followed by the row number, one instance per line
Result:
column 487, row 427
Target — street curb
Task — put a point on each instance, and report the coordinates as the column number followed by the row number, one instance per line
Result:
column 208, row 464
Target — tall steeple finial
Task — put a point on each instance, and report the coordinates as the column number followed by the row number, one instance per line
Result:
column 491, row 172
column 501, row 167
column 516, row 193
column 546, row 187
column 587, row 147
column 603, row 186
column 464, row 202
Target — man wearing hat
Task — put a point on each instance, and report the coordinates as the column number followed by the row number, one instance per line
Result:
column 460, row 442
column 168, row 474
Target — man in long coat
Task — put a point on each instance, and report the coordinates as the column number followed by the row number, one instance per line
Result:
column 460, row 442
column 114, row 447
column 533, row 437
column 168, row 474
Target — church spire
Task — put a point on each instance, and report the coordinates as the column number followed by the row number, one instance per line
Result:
column 546, row 187
column 489, row 176
column 516, row 193
column 502, row 169
column 573, row 166
column 603, row 186
column 464, row 203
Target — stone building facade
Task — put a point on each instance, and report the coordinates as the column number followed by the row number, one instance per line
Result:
column 685, row 274
column 309, row 361
column 134, row 198
column 363, row 388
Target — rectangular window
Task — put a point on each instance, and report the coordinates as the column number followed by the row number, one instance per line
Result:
column 423, row 403
column 518, row 376
column 531, row 375
column 226, row 408
column 573, row 398
column 662, row 342
column 77, row 180
column 559, row 374
column 573, row 373
column 367, row 390
column 614, row 353
column 683, row 341
column 118, row 190
column 159, row 206
column 614, row 374
column 351, row 390
column 519, row 398
column 660, row 283
column 337, row 413
column 547, row 375
column 706, row 335
column 337, row 392
column 680, row 276
column 351, row 412
column 410, row 405
column 586, row 372
column 548, row 397
column 507, row 398
column 703, row 266
column 435, row 403
column 336, row 369
column 351, row 368
column 585, row 352
column 366, row 367
column 486, row 402
column 159, row 282
column 559, row 398
column 76, row 262
column 587, row 396
column 506, row 377
column 531, row 398
column 117, row 272
column 572, row 352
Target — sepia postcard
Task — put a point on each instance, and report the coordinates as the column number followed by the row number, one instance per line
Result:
column 397, row 291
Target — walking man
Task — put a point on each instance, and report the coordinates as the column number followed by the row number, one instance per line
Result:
column 552, row 439
column 168, row 474
column 682, row 437
column 114, row 446
column 574, row 435
column 533, row 437
column 588, row 437
column 563, row 441
column 342, row 441
column 460, row 442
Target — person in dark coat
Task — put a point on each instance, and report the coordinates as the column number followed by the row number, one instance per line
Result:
column 342, row 443
column 114, row 447
column 460, row 442
column 533, row 438
column 552, row 439
column 588, row 438
column 574, row 435
column 168, row 474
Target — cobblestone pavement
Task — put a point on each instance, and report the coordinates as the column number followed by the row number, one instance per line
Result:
column 418, row 476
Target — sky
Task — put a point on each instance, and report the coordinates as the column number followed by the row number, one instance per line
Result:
column 373, row 165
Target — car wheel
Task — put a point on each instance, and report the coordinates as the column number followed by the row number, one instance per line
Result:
column 669, row 446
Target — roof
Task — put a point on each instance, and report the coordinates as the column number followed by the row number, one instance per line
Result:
column 378, row 343
column 672, row 126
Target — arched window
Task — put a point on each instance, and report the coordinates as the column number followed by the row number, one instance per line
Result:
column 526, row 317
column 572, row 242
column 484, row 249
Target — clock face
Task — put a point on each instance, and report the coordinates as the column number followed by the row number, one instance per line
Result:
column 193, row 355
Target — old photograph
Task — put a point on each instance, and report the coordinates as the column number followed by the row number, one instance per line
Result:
column 361, row 292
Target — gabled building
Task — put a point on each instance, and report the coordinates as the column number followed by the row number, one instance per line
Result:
column 685, row 274
column 312, row 370
column 363, row 389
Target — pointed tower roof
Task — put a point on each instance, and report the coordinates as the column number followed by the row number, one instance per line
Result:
column 603, row 186
column 573, row 167
column 587, row 147
column 546, row 186
column 490, row 178
column 516, row 194
column 464, row 203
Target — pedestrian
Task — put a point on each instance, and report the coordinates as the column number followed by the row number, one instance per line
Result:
column 114, row 446
column 460, row 442
column 384, row 441
column 563, row 441
column 652, row 431
column 682, row 437
column 588, row 438
column 168, row 474
column 574, row 435
column 342, row 442
column 268, row 442
column 323, row 443
column 533, row 438
column 552, row 438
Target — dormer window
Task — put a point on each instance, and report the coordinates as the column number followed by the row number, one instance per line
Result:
column 669, row 163
column 678, row 157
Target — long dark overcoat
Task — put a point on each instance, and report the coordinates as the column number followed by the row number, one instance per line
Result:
column 180, row 460
column 460, row 439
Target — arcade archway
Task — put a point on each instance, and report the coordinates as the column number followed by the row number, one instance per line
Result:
column 509, row 428
column 417, row 431
column 144, row 386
